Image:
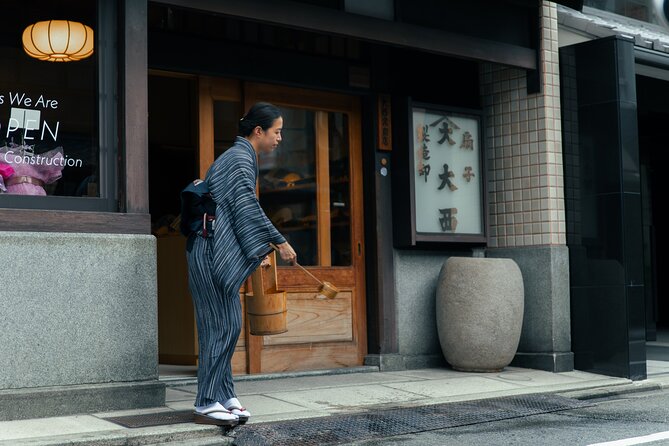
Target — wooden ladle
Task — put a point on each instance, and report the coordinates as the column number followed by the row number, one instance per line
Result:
column 327, row 289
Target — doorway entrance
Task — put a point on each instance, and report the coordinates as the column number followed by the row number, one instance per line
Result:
column 653, row 114
column 311, row 189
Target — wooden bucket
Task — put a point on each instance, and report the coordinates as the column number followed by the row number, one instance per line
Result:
column 267, row 312
column 266, row 307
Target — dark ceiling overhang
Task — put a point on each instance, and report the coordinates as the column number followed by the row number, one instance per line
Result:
column 405, row 35
column 573, row 4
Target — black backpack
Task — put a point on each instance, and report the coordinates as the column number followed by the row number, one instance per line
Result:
column 195, row 202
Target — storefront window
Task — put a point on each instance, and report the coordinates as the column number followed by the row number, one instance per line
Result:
column 49, row 101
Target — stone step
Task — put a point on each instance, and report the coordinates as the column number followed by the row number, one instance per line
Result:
column 186, row 434
column 197, row 442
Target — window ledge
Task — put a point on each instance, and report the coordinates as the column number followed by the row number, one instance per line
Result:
column 74, row 221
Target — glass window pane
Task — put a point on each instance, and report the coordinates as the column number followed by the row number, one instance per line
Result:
column 287, row 180
column 636, row 9
column 340, row 189
column 48, row 110
column 172, row 148
column 226, row 124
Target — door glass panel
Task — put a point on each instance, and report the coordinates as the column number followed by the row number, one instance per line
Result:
column 288, row 181
column 340, row 190
column 226, row 119
column 172, row 130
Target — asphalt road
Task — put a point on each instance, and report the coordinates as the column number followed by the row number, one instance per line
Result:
column 626, row 418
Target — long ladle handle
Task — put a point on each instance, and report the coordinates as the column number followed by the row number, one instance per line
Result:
column 276, row 248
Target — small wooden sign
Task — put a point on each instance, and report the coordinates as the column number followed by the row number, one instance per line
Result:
column 384, row 125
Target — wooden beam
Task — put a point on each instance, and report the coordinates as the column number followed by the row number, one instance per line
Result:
column 323, row 188
column 135, row 104
column 404, row 35
column 74, row 221
column 206, row 125
column 357, row 228
column 254, row 344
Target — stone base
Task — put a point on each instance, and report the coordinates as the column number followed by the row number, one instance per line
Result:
column 20, row 404
column 552, row 362
column 416, row 276
column 545, row 341
column 79, row 325
column 397, row 362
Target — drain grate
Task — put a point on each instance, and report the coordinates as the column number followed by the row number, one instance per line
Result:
column 153, row 419
column 339, row 429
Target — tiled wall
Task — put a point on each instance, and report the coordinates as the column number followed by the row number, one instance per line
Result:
column 524, row 149
column 570, row 148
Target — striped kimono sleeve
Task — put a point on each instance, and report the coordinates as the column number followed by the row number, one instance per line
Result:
column 252, row 227
column 232, row 185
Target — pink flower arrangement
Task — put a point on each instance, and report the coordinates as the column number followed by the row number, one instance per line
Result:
column 6, row 171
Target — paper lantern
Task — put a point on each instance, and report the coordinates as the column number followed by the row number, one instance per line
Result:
column 58, row 41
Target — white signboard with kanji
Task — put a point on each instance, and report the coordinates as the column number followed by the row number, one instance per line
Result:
column 447, row 172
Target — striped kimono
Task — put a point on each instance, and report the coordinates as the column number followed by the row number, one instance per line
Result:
column 218, row 265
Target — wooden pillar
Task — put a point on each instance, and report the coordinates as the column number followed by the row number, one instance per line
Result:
column 206, row 122
column 134, row 105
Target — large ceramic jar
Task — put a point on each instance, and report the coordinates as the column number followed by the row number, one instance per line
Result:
column 479, row 312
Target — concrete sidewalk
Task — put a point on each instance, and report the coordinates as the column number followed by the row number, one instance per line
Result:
column 320, row 394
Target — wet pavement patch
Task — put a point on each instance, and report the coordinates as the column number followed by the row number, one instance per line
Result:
column 337, row 429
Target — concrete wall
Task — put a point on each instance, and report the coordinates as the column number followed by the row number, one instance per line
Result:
column 545, row 341
column 78, row 309
column 416, row 274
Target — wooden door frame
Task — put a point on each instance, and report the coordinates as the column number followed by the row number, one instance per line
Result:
column 350, row 105
column 246, row 93
column 209, row 90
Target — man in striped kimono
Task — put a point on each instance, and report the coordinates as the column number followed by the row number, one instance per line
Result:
column 219, row 263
